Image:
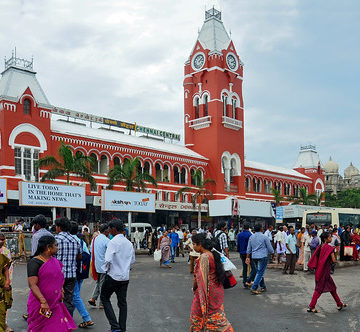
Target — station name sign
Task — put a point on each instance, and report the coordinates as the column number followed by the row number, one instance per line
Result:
column 114, row 123
column 51, row 195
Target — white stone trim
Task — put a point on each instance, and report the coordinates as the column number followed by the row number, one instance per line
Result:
column 89, row 143
column 278, row 176
column 29, row 128
column 7, row 167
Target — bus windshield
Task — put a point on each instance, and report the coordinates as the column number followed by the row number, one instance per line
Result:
column 347, row 218
column 318, row 218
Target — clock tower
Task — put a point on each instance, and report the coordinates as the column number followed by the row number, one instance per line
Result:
column 214, row 108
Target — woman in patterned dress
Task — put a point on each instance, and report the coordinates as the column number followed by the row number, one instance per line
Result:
column 207, row 310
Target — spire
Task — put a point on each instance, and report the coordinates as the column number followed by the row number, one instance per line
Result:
column 213, row 35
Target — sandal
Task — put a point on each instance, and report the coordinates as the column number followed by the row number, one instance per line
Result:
column 262, row 290
column 86, row 324
column 92, row 302
column 312, row 310
column 342, row 306
column 255, row 292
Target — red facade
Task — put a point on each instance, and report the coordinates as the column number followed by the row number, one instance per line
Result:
column 214, row 132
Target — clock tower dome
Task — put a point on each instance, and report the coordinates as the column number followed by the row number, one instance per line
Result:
column 214, row 119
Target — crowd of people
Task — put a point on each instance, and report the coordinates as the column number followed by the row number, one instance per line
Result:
column 60, row 263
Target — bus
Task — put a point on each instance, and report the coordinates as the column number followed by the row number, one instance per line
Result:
column 333, row 216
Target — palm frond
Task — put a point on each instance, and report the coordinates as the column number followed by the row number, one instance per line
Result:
column 53, row 174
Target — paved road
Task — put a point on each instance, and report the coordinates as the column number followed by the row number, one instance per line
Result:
column 159, row 300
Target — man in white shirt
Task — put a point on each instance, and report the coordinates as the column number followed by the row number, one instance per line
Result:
column 119, row 256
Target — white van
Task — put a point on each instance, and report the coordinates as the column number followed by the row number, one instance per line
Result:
column 140, row 227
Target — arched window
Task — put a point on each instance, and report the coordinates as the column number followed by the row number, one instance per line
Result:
column 177, row 197
column 206, row 112
column 197, row 108
column 166, row 173
column 247, row 184
column 117, row 161
column 95, row 163
column 147, row 168
column 139, row 168
column 103, row 164
column 224, row 100
column 183, row 176
column 158, row 172
column 27, row 106
column 232, row 170
column 176, row 174
column 192, row 172
column 234, row 108
column 267, row 186
column 167, row 196
column 184, row 198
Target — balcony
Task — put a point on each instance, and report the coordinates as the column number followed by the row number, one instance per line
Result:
column 231, row 123
column 231, row 188
column 200, row 123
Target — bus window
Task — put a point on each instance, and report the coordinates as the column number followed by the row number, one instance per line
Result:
column 347, row 218
column 318, row 218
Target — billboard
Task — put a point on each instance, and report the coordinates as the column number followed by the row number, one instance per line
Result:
column 51, row 195
column 3, row 191
column 114, row 200
column 220, row 207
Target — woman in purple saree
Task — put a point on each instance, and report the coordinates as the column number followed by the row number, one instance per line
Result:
column 46, row 310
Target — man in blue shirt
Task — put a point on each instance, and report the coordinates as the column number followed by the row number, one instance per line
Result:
column 290, row 251
column 242, row 240
column 259, row 247
column 174, row 243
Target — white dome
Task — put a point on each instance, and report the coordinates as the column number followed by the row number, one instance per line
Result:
column 350, row 171
column 331, row 167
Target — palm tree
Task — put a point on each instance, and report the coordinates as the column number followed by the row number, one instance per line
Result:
column 129, row 174
column 134, row 179
column 67, row 164
column 200, row 194
column 277, row 197
column 305, row 198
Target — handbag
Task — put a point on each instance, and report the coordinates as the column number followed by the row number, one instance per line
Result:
column 229, row 281
column 157, row 255
column 348, row 250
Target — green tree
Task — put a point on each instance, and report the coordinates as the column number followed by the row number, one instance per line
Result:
column 67, row 164
column 304, row 198
column 129, row 174
column 200, row 193
column 277, row 197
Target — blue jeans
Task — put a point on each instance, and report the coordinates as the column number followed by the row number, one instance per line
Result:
column 251, row 277
column 173, row 252
column 78, row 302
column 260, row 264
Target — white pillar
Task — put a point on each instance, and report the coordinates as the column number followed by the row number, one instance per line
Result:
column 53, row 211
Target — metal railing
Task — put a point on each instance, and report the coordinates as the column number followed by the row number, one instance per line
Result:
column 231, row 123
column 200, row 122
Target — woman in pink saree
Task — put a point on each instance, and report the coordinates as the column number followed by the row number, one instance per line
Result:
column 321, row 260
column 207, row 310
column 46, row 310
column 164, row 245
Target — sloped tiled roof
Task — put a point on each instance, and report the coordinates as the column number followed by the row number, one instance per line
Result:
column 15, row 81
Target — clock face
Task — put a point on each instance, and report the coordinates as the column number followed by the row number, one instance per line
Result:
column 198, row 61
column 231, row 61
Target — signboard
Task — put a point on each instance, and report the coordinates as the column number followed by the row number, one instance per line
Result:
column 177, row 206
column 115, row 123
column 279, row 214
column 248, row 208
column 113, row 200
column 3, row 191
column 220, row 207
column 51, row 195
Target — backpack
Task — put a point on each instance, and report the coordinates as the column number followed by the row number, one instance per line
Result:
column 83, row 265
column 216, row 240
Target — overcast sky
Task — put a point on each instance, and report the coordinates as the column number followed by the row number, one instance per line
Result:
column 124, row 59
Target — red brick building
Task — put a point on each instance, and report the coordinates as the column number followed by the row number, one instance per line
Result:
column 30, row 128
